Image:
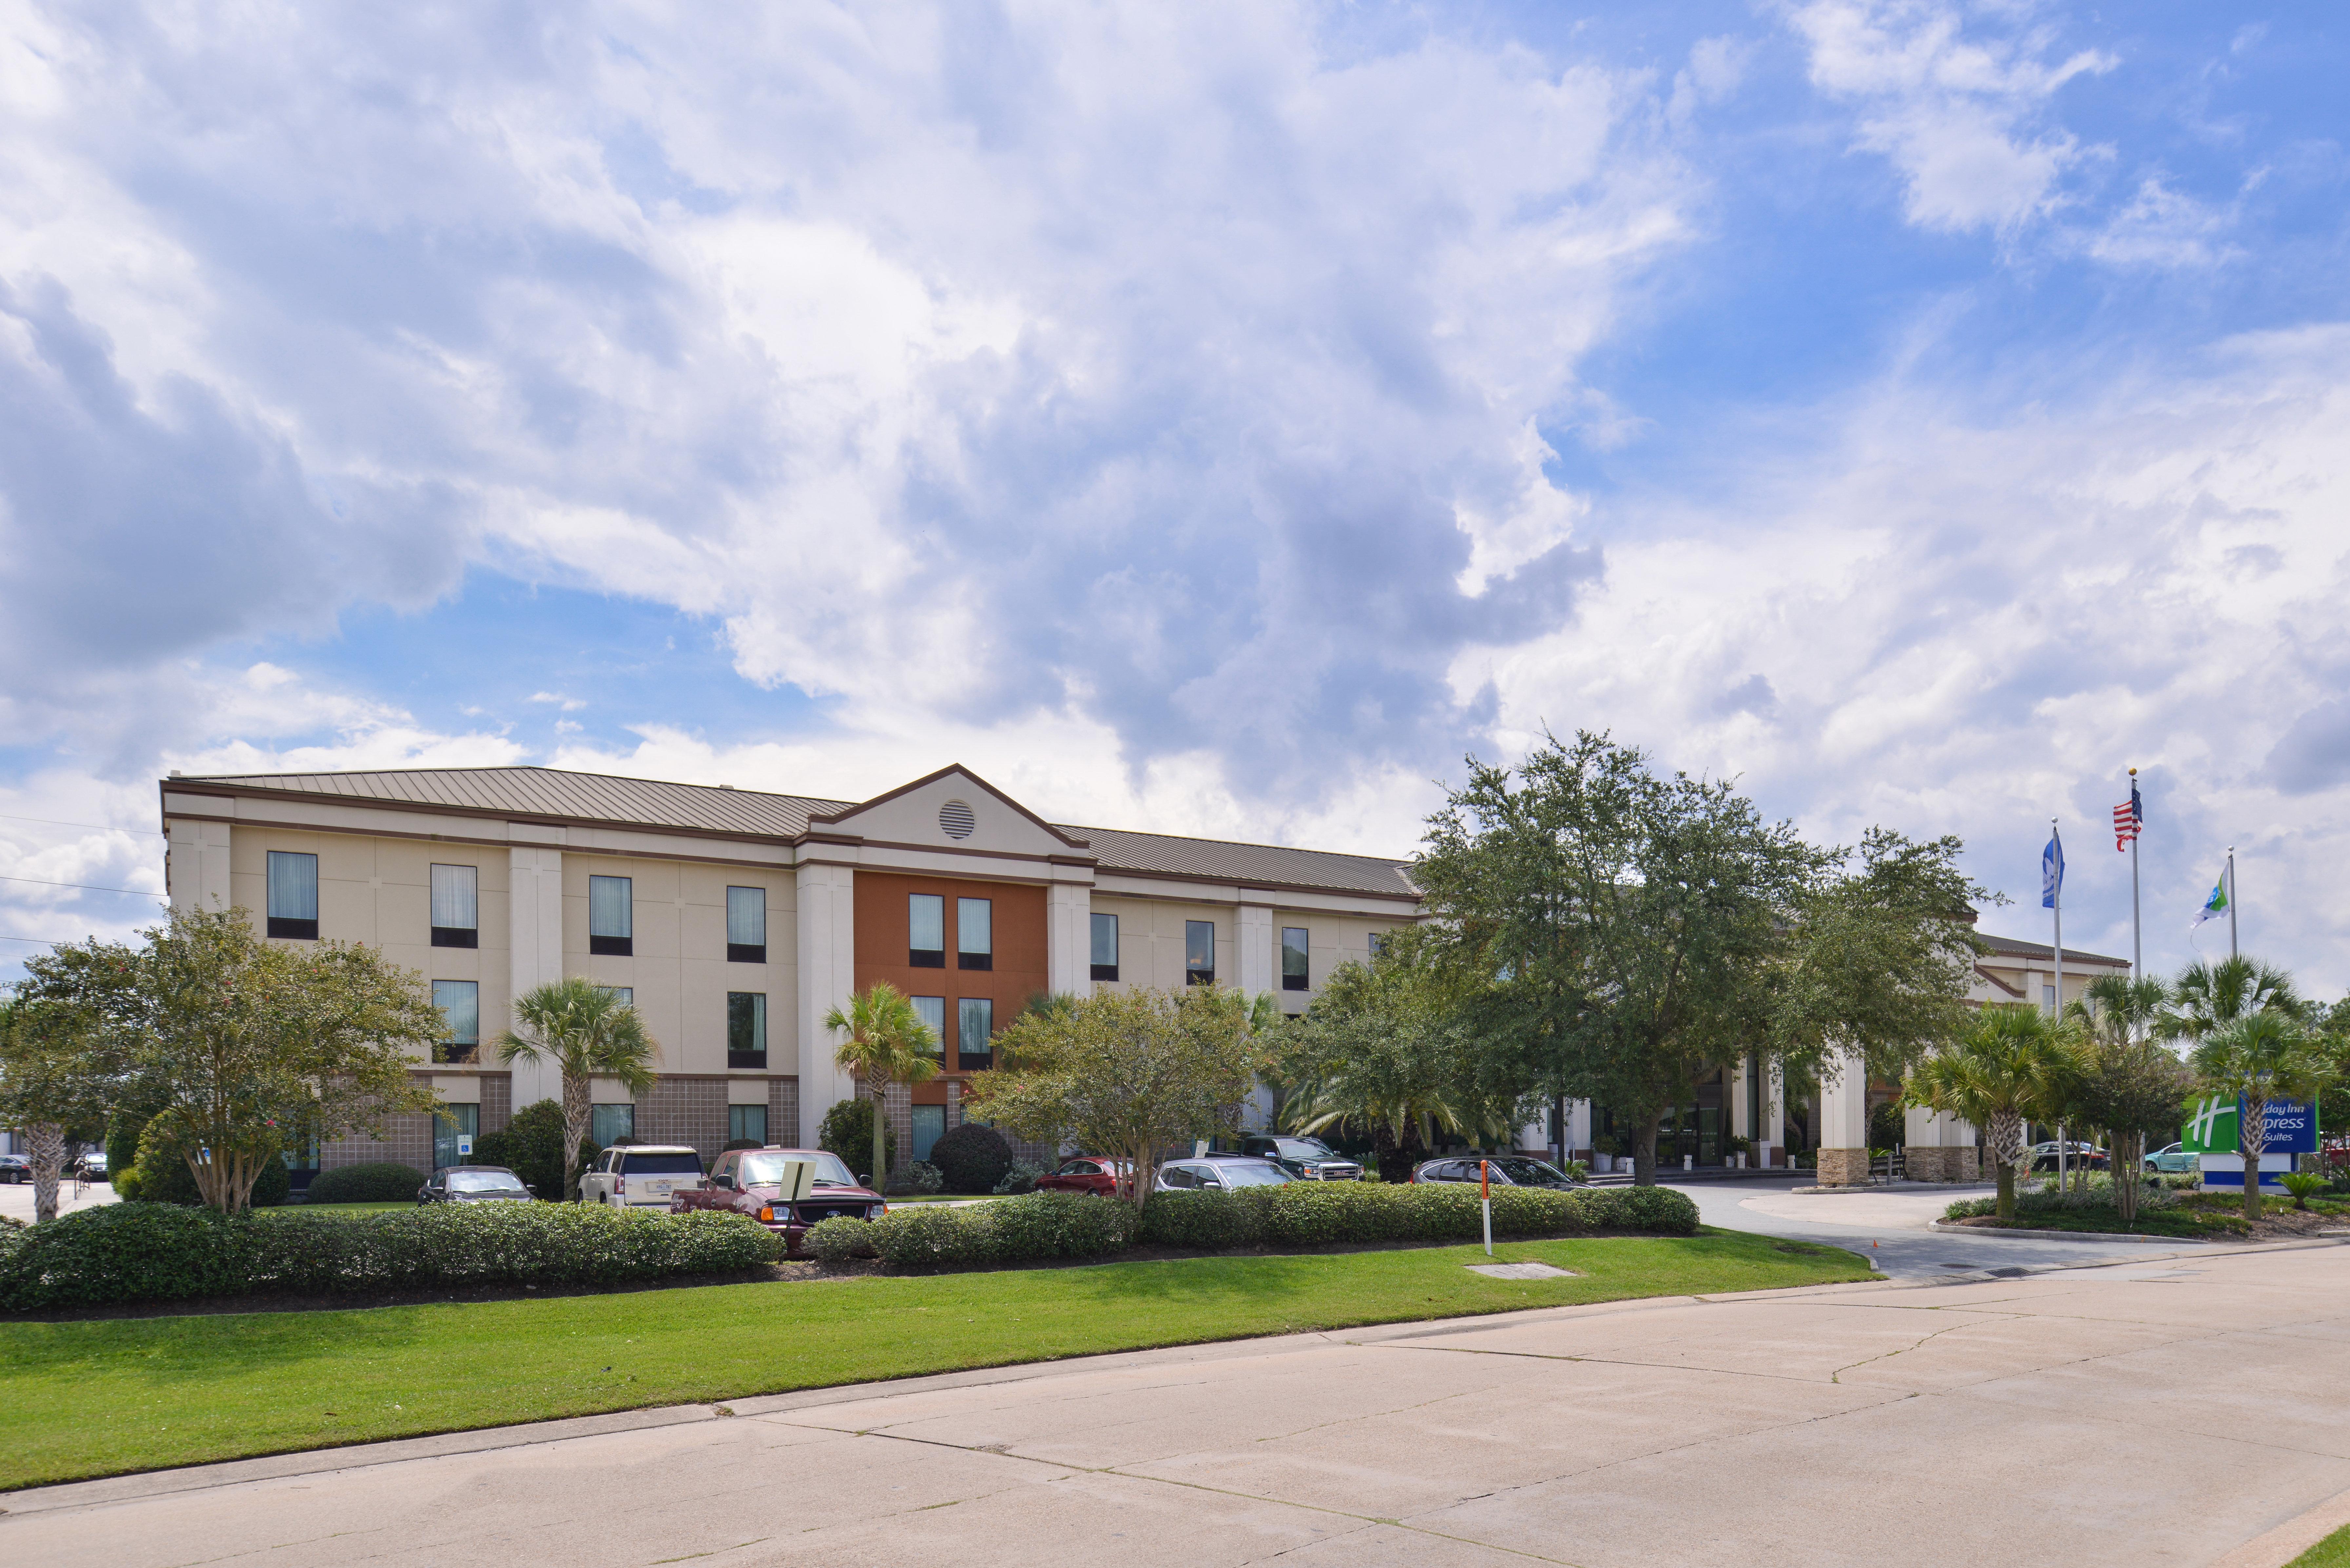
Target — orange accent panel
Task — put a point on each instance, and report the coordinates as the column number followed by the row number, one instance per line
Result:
column 1021, row 967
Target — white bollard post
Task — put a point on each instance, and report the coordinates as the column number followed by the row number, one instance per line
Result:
column 1485, row 1188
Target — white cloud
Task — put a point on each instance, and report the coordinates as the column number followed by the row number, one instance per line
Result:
column 1961, row 115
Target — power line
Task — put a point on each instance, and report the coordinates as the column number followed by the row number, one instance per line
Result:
column 101, row 826
column 44, row 941
column 85, row 887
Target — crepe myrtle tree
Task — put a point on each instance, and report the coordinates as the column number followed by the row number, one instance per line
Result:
column 54, row 1076
column 2001, row 1075
column 248, row 1046
column 2129, row 1084
column 1125, row 1073
column 588, row 1032
column 883, row 1041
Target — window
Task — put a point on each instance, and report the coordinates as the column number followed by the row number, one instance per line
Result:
column 2048, row 1000
column 1105, row 947
column 746, row 1029
column 929, row 1125
column 974, row 1033
column 975, row 933
column 450, row 1124
column 611, row 916
column 680, row 1164
column 1378, row 946
column 746, row 1124
column 932, row 1011
column 608, row 1125
column 926, row 930
column 625, row 995
column 456, row 907
column 746, row 925
column 1292, row 958
column 459, row 1001
column 1199, row 952
column 294, row 896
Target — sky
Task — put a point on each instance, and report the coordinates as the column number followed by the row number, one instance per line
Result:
column 1221, row 418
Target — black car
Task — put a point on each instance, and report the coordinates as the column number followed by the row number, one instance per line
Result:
column 1508, row 1170
column 1308, row 1159
column 474, row 1184
column 15, row 1170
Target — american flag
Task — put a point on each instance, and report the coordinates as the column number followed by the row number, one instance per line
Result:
column 2129, row 820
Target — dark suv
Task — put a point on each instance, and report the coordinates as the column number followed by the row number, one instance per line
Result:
column 1308, row 1159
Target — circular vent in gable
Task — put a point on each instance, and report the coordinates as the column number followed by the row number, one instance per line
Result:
column 955, row 820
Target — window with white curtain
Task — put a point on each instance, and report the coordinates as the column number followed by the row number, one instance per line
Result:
column 746, row 925
column 1105, row 964
column 456, row 907
column 293, row 895
column 926, row 930
column 611, row 916
column 974, row 1033
column 932, row 1011
column 975, row 934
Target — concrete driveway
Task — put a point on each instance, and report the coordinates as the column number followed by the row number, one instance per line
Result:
column 2156, row 1414
column 16, row 1197
column 1890, row 1225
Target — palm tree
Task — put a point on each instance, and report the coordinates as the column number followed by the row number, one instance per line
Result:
column 2256, row 1057
column 588, row 1032
column 2003, row 1072
column 887, row 1044
column 2206, row 996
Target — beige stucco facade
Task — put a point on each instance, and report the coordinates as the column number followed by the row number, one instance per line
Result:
column 536, row 838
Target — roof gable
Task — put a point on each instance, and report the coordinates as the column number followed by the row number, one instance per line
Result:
column 953, row 809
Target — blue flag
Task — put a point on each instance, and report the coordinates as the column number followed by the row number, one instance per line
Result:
column 2052, row 871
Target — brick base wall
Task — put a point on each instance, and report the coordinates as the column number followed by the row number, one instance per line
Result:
column 784, row 1112
column 1844, row 1166
column 687, row 1110
column 497, row 1101
column 1933, row 1163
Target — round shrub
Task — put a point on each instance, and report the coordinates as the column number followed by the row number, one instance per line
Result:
column 840, row 1239
column 377, row 1181
column 848, row 1131
column 971, row 1157
column 1021, row 1178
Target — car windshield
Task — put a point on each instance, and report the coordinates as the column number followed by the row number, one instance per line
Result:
column 485, row 1181
column 1303, row 1149
column 767, row 1169
column 1254, row 1175
column 662, row 1165
column 1528, row 1172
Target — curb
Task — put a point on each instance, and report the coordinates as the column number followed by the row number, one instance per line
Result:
column 1881, row 1187
column 1950, row 1230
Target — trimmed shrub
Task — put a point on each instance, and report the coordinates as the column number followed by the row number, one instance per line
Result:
column 152, row 1251
column 931, row 1236
column 840, row 1239
column 1021, row 1178
column 1058, row 1225
column 848, row 1131
column 971, row 1157
column 1317, row 1214
column 377, row 1181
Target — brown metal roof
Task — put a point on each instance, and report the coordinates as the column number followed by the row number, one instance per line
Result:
column 2008, row 947
column 559, row 794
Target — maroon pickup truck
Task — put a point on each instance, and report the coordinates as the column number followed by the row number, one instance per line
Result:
column 745, row 1181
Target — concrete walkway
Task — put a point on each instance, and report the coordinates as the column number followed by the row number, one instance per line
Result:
column 2152, row 1414
column 16, row 1197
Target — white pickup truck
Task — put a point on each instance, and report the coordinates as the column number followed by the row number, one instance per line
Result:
column 640, row 1175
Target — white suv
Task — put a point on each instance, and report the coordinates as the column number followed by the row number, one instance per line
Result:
column 640, row 1175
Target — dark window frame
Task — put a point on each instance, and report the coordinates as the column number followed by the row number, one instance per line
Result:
column 926, row 958
column 1303, row 980
column 1103, row 971
column 756, row 1011
column 1192, row 976
column 966, row 1059
column 456, row 937
column 979, row 962
column 612, row 946
column 291, row 928
column 747, row 953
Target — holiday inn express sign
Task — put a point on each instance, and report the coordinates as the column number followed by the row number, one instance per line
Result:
column 2212, row 1125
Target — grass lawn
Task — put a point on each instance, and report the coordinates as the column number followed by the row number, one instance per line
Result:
column 2333, row 1551
column 100, row 1397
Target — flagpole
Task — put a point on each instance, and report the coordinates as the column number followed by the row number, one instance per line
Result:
column 2232, row 900
column 2137, row 940
column 2058, row 905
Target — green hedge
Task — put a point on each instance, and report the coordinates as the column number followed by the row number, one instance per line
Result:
column 1301, row 1214
column 154, row 1252
column 1314, row 1213
column 377, row 1181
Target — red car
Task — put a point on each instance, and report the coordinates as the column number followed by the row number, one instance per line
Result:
column 745, row 1180
column 1090, row 1173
